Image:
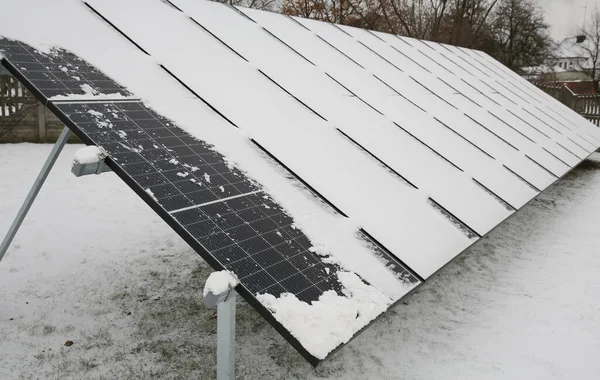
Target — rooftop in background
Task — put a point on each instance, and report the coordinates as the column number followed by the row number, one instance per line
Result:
column 582, row 87
column 570, row 55
column 570, row 64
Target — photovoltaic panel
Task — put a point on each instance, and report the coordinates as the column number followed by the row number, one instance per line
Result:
column 59, row 72
column 401, row 112
column 348, row 114
column 286, row 128
column 228, row 214
column 544, row 157
column 224, row 215
column 414, row 149
column 391, row 109
column 447, row 113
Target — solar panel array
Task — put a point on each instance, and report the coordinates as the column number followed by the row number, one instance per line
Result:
column 232, row 222
column 427, row 146
column 58, row 74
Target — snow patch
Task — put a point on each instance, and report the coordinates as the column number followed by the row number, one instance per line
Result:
column 332, row 320
column 319, row 250
column 219, row 282
column 131, row 149
column 90, row 93
column 230, row 164
column 152, row 194
column 89, row 155
column 192, row 168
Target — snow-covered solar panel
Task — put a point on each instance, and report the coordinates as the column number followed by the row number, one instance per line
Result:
column 333, row 169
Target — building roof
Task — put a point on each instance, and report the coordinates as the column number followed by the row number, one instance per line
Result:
column 582, row 87
column 569, row 48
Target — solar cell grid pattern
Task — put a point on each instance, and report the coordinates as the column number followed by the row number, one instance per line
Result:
column 229, row 215
column 59, row 72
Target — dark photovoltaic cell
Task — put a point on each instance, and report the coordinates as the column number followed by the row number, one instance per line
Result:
column 224, row 211
column 227, row 213
column 59, row 72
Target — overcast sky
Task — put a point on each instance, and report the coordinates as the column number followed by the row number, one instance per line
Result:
column 565, row 16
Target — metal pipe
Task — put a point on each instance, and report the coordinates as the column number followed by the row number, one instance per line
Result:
column 226, row 338
column 35, row 189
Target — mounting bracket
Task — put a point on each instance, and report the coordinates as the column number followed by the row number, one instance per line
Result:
column 80, row 169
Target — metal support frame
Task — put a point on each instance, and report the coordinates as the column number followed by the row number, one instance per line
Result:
column 35, row 189
column 226, row 338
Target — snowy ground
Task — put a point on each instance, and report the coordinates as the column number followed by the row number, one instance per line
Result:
column 93, row 265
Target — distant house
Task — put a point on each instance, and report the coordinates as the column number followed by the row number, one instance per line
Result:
column 566, row 77
column 571, row 57
column 569, row 67
column 579, row 82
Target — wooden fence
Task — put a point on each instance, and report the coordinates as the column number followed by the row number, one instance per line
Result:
column 22, row 117
column 16, row 104
column 587, row 106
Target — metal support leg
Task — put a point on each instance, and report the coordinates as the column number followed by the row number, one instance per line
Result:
column 35, row 189
column 226, row 339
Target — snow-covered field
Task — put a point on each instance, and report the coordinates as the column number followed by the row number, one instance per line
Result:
column 93, row 265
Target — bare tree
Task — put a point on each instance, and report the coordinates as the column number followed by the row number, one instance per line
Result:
column 466, row 22
column 266, row 5
column 335, row 11
column 589, row 48
column 513, row 31
column 520, row 34
column 304, row 8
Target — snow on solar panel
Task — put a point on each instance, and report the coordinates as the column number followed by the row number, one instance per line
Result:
column 223, row 214
column 331, row 168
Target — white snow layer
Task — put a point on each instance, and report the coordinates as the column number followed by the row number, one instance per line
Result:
column 394, row 213
column 522, row 304
column 332, row 320
column 219, row 282
column 90, row 94
column 89, row 154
